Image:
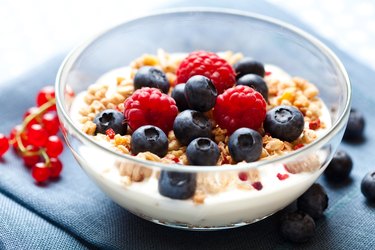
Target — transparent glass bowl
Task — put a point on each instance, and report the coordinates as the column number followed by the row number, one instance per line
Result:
column 186, row 30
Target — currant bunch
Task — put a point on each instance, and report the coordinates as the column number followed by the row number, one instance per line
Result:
column 36, row 140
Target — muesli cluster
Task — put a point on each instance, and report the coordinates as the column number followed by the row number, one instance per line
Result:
column 203, row 109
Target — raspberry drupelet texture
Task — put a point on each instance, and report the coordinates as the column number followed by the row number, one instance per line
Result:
column 238, row 107
column 209, row 65
column 149, row 106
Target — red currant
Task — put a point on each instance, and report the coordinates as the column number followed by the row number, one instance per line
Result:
column 31, row 160
column 37, row 135
column 4, row 145
column 51, row 122
column 45, row 94
column 12, row 137
column 40, row 172
column 55, row 167
column 54, row 146
column 36, row 120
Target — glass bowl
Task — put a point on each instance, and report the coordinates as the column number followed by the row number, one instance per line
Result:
column 186, row 30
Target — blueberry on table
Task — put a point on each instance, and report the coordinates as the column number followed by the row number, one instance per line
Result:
column 178, row 94
column 110, row 118
column 149, row 138
column 200, row 93
column 297, row 227
column 202, row 152
column 340, row 167
column 191, row 124
column 249, row 66
column 368, row 186
column 245, row 144
column 314, row 201
column 355, row 127
column 151, row 77
column 284, row 122
column 256, row 82
column 177, row 185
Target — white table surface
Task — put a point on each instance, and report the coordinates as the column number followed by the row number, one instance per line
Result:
column 33, row 31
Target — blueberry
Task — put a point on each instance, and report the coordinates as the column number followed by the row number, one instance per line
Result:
column 200, row 93
column 191, row 124
column 110, row 118
column 149, row 138
column 314, row 201
column 151, row 77
column 256, row 82
column 340, row 167
column 368, row 186
column 177, row 185
column 178, row 94
column 355, row 127
column 245, row 144
column 202, row 152
column 249, row 66
column 284, row 122
column 297, row 227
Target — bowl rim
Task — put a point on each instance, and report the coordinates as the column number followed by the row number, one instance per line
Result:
column 306, row 150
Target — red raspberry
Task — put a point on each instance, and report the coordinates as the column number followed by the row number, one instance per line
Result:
column 209, row 65
column 149, row 106
column 238, row 107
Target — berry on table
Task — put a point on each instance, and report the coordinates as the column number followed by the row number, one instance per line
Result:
column 240, row 106
column 202, row 152
column 284, row 122
column 209, row 65
column 46, row 94
column 110, row 118
column 355, row 127
column 151, row 77
column 200, row 93
column 191, row 124
column 368, row 186
column 40, row 172
column 51, row 122
column 245, row 144
column 177, row 185
column 297, row 227
column 340, row 167
column 36, row 119
column 149, row 106
column 256, row 82
column 55, row 167
column 249, row 66
column 54, row 146
column 4, row 145
column 31, row 157
column 314, row 201
column 149, row 138
column 37, row 135
column 178, row 94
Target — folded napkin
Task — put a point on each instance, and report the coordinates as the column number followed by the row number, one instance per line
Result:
column 72, row 213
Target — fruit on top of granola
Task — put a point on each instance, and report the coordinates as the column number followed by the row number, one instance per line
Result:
column 284, row 122
column 207, row 64
column 178, row 94
column 149, row 138
column 240, row 106
column 340, row 167
column 249, row 66
column 368, row 186
column 202, row 152
column 256, row 82
column 177, row 185
column 297, row 227
column 151, row 77
column 356, row 126
column 200, row 93
column 191, row 124
column 245, row 144
column 110, row 119
column 149, row 106
column 314, row 201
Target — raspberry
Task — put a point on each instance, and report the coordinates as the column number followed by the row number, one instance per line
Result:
column 149, row 106
column 209, row 65
column 238, row 107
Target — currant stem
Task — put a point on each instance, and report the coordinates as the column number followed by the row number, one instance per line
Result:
column 46, row 157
